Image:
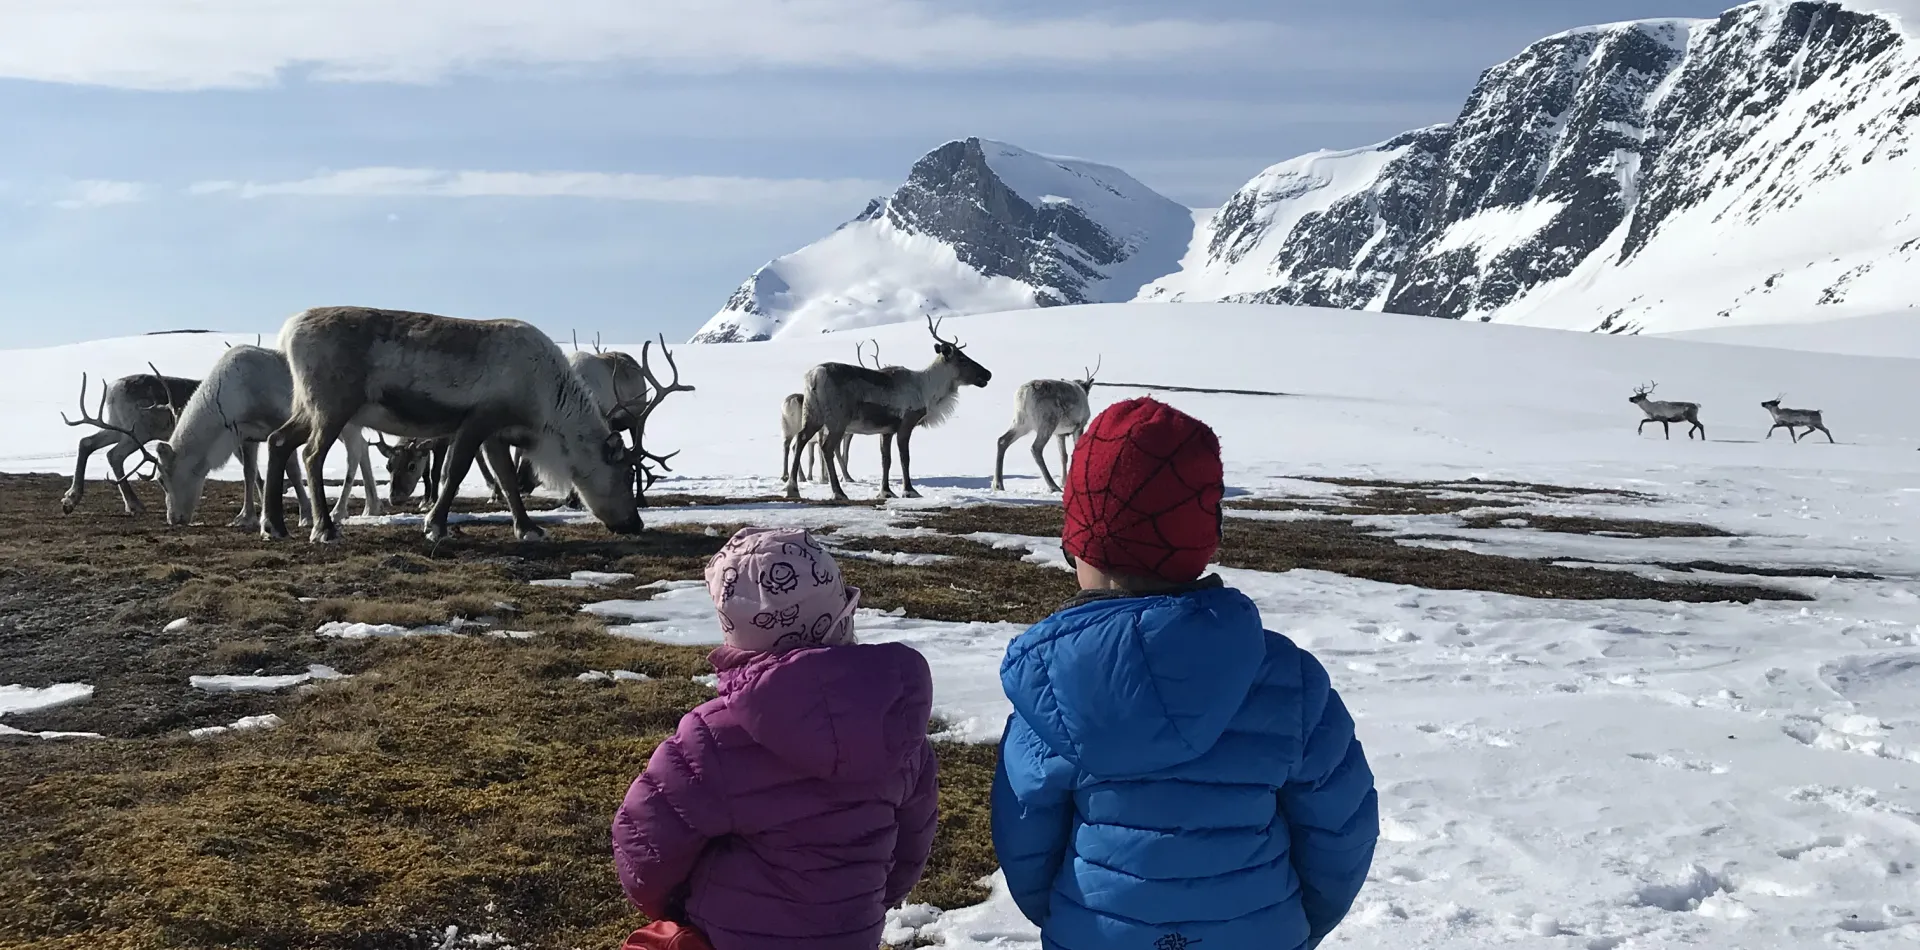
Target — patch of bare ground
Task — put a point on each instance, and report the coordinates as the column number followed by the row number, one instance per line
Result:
column 1478, row 486
column 1604, row 527
column 943, row 545
column 1344, row 548
column 1751, row 570
column 450, row 781
column 1341, row 547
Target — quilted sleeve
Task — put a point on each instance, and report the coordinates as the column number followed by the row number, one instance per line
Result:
column 1330, row 806
column 1032, row 817
column 918, row 817
column 670, row 813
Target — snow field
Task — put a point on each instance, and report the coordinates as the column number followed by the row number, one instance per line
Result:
column 1579, row 774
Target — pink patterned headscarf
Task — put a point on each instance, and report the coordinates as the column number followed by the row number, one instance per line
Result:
column 777, row 589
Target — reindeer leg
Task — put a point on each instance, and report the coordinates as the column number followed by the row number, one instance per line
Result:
column 1040, row 437
column 342, row 508
column 846, row 449
column 786, row 449
column 906, row 458
column 886, row 464
column 249, row 453
column 1000, row 458
column 300, row 497
column 1065, row 461
column 807, row 432
column 1829, row 435
column 88, row 446
column 357, row 445
column 273, row 512
column 117, row 460
column 460, row 458
column 1667, row 427
column 499, row 457
column 1770, row 430
column 1641, row 429
column 325, row 531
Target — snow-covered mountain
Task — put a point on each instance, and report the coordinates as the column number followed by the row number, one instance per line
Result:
column 1653, row 175
column 979, row 226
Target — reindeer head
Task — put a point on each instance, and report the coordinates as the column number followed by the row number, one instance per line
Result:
column 1086, row 384
column 1773, row 403
column 1640, row 393
column 952, row 353
column 407, row 463
column 612, row 489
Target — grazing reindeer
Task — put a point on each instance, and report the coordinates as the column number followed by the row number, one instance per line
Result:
column 1666, row 413
column 133, row 412
column 1048, row 408
column 490, row 384
column 246, row 396
column 418, row 463
column 1807, row 418
column 841, row 399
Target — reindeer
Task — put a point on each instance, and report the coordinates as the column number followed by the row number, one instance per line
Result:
column 1790, row 418
column 490, row 384
column 1048, row 408
column 246, row 396
column 419, row 463
column 793, row 415
column 133, row 411
column 1666, row 413
column 891, row 402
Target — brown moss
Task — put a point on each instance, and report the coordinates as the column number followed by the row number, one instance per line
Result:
column 1614, row 527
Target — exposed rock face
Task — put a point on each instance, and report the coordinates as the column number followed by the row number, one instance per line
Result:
column 978, row 225
column 1663, row 174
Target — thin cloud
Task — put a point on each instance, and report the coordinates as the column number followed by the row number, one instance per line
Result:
column 95, row 193
column 206, row 44
column 388, row 182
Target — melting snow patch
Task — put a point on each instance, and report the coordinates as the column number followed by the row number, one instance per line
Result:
column 614, row 676
column 248, row 724
column 585, row 579
column 177, row 626
column 709, row 680
column 263, row 684
column 366, row 631
column 17, row 699
column 903, row 924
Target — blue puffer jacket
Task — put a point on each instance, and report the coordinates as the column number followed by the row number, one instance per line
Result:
column 1174, row 774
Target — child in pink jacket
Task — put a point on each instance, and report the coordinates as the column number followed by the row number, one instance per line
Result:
column 796, row 807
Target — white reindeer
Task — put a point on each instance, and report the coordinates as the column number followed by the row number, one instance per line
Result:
column 246, row 396
column 793, row 415
column 133, row 411
column 1790, row 418
column 840, row 398
column 490, row 384
column 1666, row 413
column 1048, row 408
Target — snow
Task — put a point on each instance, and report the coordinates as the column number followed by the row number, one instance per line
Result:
column 1497, row 229
column 585, row 579
column 263, row 684
column 27, row 699
column 1572, row 774
column 1283, row 194
column 244, row 724
column 1886, row 334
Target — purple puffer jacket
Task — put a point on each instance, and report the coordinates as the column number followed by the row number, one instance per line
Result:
column 794, row 809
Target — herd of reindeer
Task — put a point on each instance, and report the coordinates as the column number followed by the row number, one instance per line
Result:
column 500, row 395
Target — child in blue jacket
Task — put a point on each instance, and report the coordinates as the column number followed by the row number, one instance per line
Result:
column 1173, row 774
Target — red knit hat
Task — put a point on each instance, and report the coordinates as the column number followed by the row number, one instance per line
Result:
column 1143, row 493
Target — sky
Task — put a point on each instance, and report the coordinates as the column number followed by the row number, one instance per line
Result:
column 620, row 166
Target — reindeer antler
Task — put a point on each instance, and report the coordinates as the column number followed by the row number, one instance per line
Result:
column 647, row 404
column 98, row 419
column 860, row 349
column 1096, row 368
column 933, row 327
column 172, row 409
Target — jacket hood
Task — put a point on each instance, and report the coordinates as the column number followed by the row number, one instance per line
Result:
column 841, row 712
column 1135, row 685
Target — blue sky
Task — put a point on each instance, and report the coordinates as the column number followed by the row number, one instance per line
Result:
column 619, row 166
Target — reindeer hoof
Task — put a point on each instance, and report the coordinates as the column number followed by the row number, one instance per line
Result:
column 912, row 493
column 329, row 536
column 243, row 520
column 271, row 534
column 533, row 534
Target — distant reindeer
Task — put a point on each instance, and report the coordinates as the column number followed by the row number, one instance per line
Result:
column 793, row 417
column 839, row 399
column 1790, row 418
column 133, row 411
column 247, row 395
column 490, row 384
column 1666, row 413
column 1048, row 408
